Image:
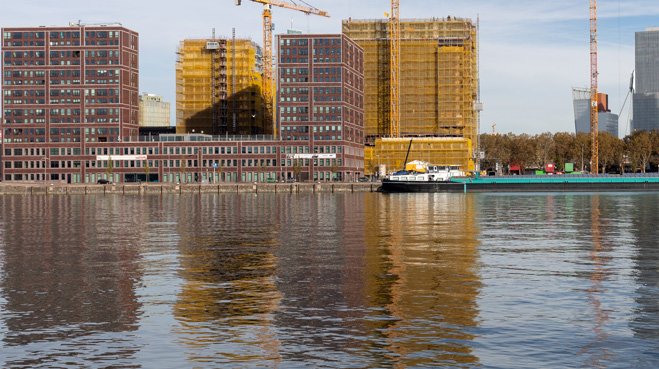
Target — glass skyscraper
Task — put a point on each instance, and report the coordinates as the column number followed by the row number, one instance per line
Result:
column 646, row 95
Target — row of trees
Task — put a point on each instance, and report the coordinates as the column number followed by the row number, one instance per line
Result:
column 638, row 152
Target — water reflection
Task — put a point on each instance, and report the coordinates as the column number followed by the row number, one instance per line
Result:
column 430, row 278
column 329, row 280
column 350, row 280
column 598, row 354
column 225, row 307
column 65, row 283
column 645, row 221
column 321, row 279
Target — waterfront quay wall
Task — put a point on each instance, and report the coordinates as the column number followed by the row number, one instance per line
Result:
column 187, row 188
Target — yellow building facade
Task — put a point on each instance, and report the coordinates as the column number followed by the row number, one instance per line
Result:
column 388, row 154
column 438, row 82
column 218, row 87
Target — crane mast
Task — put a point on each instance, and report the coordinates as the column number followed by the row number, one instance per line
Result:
column 268, row 96
column 594, row 122
column 268, row 83
column 394, row 60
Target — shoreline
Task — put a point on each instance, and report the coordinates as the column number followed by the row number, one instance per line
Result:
column 162, row 188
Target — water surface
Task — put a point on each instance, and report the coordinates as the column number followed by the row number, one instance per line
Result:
column 361, row 280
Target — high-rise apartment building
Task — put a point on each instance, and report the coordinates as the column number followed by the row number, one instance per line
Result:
column 320, row 97
column 438, row 76
column 608, row 122
column 69, row 84
column 646, row 94
column 154, row 112
column 218, row 87
column 438, row 91
column 65, row 86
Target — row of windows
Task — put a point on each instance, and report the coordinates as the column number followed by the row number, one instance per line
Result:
column 293, row 71
column 178, row 164
column 294, row 51
column 24, row 101
column 327, row 78
column 326, row 60
column 102, row 53
column 294, row 109
column 23, row 35
column 331, row 52
column 294, row 41
column 18, row 93
column 41, row 112
column 327, row 71
column 59, row 35
column 327, row 109
column 21, row 63
column 28, row 82
column 25, row 74
column 31, row 43
column 284, row 59
column 23, row 55
column 327, row 41
column 68, row 151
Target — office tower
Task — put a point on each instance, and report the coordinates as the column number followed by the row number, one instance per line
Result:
column 608, row 122
column 646, row 94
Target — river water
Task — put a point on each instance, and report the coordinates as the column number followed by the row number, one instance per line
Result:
column 361, row 280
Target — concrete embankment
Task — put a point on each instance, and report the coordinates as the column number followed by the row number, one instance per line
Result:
column 161, row 188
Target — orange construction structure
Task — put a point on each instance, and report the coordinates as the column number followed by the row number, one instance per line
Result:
column 438, row 80
column 216, row 78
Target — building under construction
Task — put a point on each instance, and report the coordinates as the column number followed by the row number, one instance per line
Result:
column 438, row 89
column 218, row 87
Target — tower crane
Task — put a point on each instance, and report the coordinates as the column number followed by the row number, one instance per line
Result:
column 394, row 76
column 267, row 42
column 594, row 119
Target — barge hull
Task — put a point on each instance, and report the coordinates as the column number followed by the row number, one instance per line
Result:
column 400, row 186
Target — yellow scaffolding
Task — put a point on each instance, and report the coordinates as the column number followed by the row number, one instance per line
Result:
column 390, row 153
column 205, row 96
column 438, row 76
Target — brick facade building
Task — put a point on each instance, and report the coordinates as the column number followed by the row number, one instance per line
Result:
column 66, row 87
column 320, row 100
column 70, row 105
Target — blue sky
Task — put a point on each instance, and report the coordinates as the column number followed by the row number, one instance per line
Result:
column 532, row 52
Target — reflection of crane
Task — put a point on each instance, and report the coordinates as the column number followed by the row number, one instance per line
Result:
column 394, row 56
column 267, row 41
column 594, row 122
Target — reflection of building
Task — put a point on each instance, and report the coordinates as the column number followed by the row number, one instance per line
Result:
column 228, row 294
column 73, row 280
column 438, row 82
column 646, row 94
column 214, row 79
column 153, row 111
column 645, row 322
column 320, row 103
column 421, row 261
column 608, row 122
